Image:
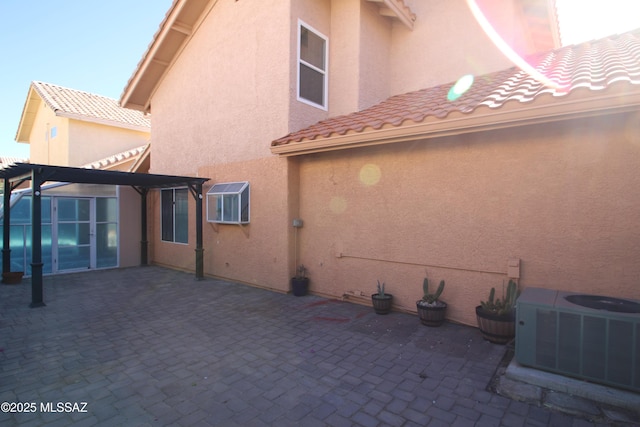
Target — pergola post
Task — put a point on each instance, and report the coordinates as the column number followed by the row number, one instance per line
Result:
column 199, row 248
column 37, row 299
column 144, row 242
column 6, row 228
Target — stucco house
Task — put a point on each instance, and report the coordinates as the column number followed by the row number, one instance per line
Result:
column 354, row 117
column 85, row 226
column 70, row 127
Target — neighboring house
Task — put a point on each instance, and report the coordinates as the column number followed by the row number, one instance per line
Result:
column 68, row 127
column 84, row 226
column 393, row 181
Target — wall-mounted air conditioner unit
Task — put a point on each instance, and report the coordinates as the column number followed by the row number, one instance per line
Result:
column 590, row 337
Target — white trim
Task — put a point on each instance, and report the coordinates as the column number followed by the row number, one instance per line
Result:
column 325, row 72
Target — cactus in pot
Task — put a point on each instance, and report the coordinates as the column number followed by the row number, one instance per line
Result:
column 381, row 301
column 431, row 309
column 496, row 316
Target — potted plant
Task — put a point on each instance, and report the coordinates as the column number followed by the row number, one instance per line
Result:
column 300, row 283
column 430, row 308
column 496, row 317
column 381, row 300
column 12, row 277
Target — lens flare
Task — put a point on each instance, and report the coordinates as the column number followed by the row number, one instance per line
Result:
column 507, row 50
column 463, row 84
column 370, row 174
column 338, row 205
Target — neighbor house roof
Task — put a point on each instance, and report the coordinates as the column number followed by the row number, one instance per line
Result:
column 129, row 160
column 582, row 80
column 78, row 105
column 6, row 161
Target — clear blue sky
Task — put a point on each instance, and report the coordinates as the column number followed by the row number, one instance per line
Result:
column 90, row 45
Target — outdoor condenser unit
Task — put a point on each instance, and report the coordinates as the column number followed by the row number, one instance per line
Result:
column 590, row 337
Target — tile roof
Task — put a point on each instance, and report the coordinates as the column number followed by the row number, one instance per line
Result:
column 6, row 161
column 110, row 161
column 595, row 66
column 91, row 107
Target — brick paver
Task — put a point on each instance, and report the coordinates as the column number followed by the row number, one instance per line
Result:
column 152, row 346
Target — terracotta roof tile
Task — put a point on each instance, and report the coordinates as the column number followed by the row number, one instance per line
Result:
column 594, row 65
column 77, row 103
column 118, row 157
column 6, row 161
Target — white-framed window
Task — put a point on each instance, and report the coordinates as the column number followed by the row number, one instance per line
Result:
column 228, row 203
column 313, row 48
column 174, row 204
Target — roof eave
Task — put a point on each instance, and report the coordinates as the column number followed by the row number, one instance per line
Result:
column 482, row 119
column 177, row 28
column 396, row 9
column 27, row 117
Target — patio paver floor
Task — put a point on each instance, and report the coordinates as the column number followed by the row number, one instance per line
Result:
column 153, row 346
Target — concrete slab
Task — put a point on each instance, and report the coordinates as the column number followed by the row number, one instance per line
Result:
column 603, row 395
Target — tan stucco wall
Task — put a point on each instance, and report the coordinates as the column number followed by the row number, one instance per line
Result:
column 225, row 98
column 77, row 143
column 445, row 44
column 255, row 253
column 89, row 142
column 232, row 90
column 44, row 149
column 227, row 95
column 562, row 198
column 359, row 65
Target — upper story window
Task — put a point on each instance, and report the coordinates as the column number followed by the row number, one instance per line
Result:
column 312, row 66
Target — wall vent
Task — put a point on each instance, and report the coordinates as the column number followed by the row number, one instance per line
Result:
column 593, row 338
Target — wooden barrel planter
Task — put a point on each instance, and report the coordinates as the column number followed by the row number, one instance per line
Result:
column 382, row 303
column 431, row 315
column 496, row 328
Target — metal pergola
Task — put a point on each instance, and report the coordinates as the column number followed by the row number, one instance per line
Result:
column 18, row 173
